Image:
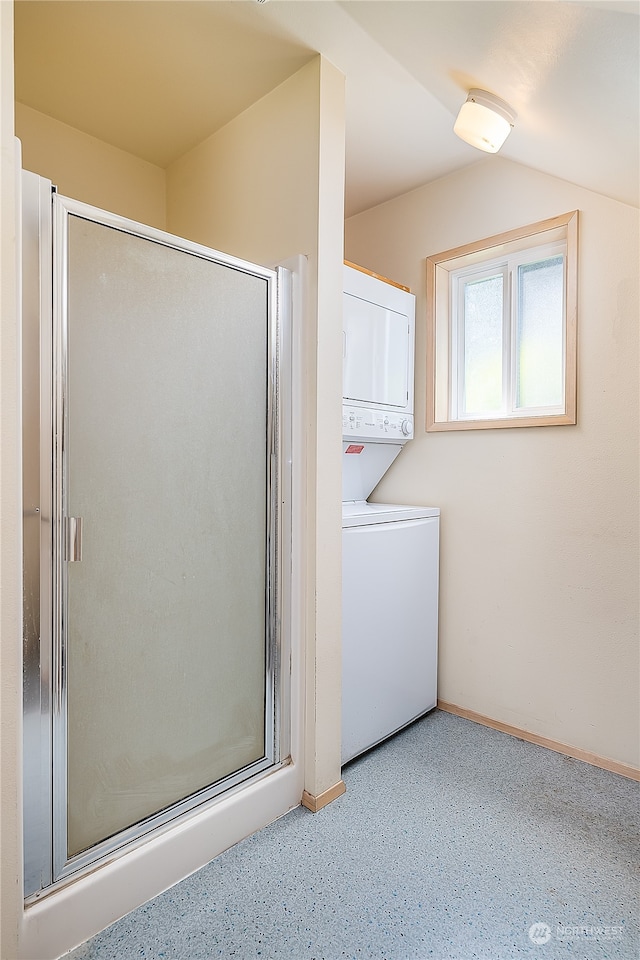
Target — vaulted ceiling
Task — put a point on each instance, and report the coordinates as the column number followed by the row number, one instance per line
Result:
column 156, row 77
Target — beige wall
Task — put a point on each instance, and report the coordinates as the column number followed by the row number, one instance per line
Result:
column 266, row 187
column 251, row 189
column 87, row 169
column 323, row 729
column 539, row 555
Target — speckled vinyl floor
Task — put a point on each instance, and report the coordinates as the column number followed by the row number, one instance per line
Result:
column 453, row 842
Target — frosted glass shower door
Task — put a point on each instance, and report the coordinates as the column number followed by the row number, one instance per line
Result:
column 166, row 455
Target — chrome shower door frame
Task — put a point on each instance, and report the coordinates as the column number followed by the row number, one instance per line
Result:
column 37, row 487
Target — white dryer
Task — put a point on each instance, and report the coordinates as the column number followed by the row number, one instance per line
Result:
column 389, row 551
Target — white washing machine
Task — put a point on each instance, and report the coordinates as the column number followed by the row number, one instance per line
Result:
column 389, row 620
column 389, row 551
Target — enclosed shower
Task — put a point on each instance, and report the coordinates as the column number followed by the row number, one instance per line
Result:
column 154, row 510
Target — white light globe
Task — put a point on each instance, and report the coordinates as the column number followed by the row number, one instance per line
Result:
column 484, row 121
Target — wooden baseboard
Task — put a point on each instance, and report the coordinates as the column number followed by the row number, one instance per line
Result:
column 317, row 803
column 624, row 769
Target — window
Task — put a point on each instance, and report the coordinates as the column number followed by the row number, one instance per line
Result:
column 501, row 330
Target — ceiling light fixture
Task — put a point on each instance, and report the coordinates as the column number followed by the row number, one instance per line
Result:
column 484, row 121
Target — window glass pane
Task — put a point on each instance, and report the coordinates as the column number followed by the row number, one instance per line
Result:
column 483, row 301
column 539, row 354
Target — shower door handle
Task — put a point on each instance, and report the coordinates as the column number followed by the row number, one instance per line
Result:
column 73, row 539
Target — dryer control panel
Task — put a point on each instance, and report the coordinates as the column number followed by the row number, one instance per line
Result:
column 385, row 426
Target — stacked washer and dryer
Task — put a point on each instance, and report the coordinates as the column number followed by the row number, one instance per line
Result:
column 389, row 551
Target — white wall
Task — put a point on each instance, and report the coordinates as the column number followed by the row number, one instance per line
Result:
column 268, row 186
column 87, row 169
column 539, row 556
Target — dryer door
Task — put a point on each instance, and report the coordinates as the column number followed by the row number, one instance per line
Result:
column 376, row 354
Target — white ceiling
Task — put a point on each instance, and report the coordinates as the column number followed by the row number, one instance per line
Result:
column 155, row 77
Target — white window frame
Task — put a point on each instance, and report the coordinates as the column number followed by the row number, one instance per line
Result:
column 507, row 267
column 503, row 254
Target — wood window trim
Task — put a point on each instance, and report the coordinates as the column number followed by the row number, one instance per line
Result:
column 568, row 223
